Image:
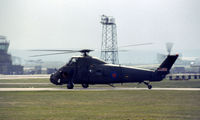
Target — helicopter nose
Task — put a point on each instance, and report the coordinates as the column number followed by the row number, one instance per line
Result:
column 52, row 79
column 55, row 79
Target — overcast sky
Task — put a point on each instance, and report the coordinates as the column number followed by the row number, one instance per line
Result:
column 64, row 24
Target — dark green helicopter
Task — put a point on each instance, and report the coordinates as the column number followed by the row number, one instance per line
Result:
column 87, row 70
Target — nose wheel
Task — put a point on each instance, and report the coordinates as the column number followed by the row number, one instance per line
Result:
column 148, row 85
column 70, row 86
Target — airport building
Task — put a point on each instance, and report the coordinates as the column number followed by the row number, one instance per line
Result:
column 6, row 65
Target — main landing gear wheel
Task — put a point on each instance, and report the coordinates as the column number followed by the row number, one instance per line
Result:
column 148, row 85
column 85, row 85
column 70, row 86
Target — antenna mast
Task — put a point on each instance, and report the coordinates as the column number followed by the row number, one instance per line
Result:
column 109, row 48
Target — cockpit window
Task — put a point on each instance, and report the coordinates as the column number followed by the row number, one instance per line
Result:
column 71, row 61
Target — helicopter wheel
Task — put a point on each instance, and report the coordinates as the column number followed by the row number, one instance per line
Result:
column 70, row 86
column 85, row 85
column 149, row 86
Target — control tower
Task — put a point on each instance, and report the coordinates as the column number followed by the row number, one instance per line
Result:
column 109, row 48
column 6, row 66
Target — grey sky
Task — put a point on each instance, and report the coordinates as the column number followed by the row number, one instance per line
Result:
column 53, row 24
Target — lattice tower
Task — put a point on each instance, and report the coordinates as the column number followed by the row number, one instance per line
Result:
column 109, row 48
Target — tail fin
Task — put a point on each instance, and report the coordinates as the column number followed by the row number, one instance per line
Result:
column 165, row 67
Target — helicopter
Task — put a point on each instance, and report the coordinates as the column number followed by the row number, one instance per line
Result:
column 87, row 70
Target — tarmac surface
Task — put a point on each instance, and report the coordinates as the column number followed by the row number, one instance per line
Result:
column 13, row 77
column 10, row 77
column 26, row 83
column 94, row 89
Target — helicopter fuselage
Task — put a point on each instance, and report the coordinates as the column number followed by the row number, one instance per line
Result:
column 89, row 70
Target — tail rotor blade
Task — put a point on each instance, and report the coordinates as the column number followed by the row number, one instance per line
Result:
column 169, row 47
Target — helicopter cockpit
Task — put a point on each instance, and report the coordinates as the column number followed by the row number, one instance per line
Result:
column 72, row 61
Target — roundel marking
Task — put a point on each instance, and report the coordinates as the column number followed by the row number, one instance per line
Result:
column 114, row 75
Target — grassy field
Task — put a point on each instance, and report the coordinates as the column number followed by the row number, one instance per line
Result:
column 100, row 105
column 163, row 84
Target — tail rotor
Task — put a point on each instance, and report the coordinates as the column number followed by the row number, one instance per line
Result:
column 169, row 47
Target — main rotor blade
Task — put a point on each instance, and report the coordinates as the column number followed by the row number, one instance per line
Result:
column 83, row 51
column 135, row 45
column 51, row 50
column 56, row 50
column 51, row 54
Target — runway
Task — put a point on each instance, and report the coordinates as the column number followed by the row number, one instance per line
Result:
column 13, row 77
column 25, row 83
column 96, row 89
